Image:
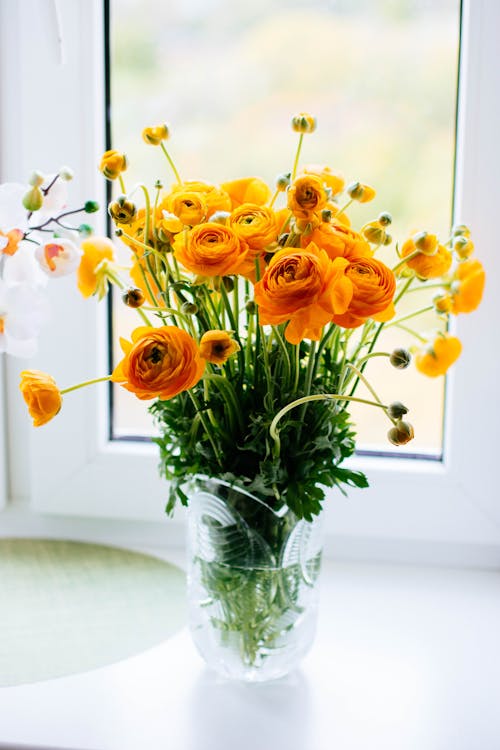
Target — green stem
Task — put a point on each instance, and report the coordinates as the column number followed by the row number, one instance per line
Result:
column 122, row 184
column 172, row 165
column 206, row 428
column 404, row 260
column 411, row 315
column 413, row 333
column 297, row 156
column 84, row 384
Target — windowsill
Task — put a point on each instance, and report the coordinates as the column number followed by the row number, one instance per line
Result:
column 404, row 657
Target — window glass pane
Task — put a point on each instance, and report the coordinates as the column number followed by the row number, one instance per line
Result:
column 381, row 77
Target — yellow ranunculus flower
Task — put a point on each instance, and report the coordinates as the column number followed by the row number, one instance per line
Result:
column 339, row 241
column 467, row 286
column 438, row 356
column 211, row 249
column 217, row 346
column 41, row 395
column 247, row 190
column 90, row 278
column 190, row 207
column 360, row 192
column 332, row 181
column 306, row 196
column 215, row 198
column 427, row 266
column 113, row 163
column 155, row 135
column 256, row 225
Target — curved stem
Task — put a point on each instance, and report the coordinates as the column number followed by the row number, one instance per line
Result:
column 305, row 399
column 172, row 165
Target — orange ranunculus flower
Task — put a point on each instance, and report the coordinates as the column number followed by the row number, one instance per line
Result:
column 159, row 363
column 216, row 199
column 305, row 288
column 467, row 286
column 247, row 190
column 339, row 241
column 374, row 286
column 255, row 225
column 211, row 249
column 95, row 250
column 306, row 196
column 333, row 181
column 217, row 346
column 189, row 207
column 11, row 241
column 112, row 164
column 439, row 355
column 41, row 394
column 427, row 266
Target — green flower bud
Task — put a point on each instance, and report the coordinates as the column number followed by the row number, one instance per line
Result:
column 374, row 233
column 228, row 283
column 85, row 230
column 427, row 243
column 33, row 200
column 400, row 359
column 283, row 181
column 66, row 174
column 385, row 219
column 304, row 123
column 91, row 207
column 461, row 229
column 326, row 215
column 396, row 410
column 118, row 232
column 251, row 307
column 37, row 179
column 189, row 308
column 158, row 184
column 463, row 246
column 220, row 217
column 122, row 211
column 133, row 297
column 401, row 434
column 387, row 238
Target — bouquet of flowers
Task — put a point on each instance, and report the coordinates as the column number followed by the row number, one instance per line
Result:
column 260, row 312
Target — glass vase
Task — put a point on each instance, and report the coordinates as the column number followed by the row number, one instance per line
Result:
column 252, row 582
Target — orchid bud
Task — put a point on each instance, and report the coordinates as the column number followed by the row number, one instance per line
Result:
column 33, row 200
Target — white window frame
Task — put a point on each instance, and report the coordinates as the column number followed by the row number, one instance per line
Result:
column 70, row 468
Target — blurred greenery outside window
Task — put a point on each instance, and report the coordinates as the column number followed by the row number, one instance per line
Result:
column 381, row 78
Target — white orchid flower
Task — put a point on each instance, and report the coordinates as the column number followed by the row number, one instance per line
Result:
column 58, row 257
column 13, row 215
column 23, row 310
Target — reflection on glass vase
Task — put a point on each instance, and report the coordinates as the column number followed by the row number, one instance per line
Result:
column 253, row 582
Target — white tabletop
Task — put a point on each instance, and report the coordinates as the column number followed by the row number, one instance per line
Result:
column 405, row 658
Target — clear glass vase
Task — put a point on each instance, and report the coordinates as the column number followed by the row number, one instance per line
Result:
column 252, row 582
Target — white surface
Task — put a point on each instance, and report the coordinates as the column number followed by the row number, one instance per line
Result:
column 405, row 659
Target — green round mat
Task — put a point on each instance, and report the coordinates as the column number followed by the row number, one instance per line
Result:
column 67, row 607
